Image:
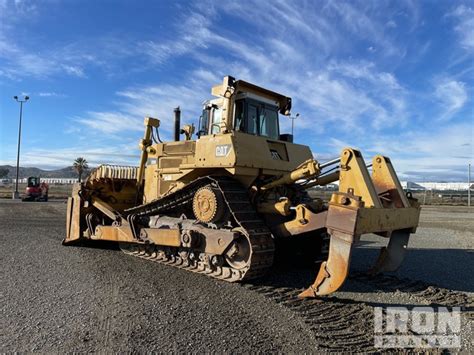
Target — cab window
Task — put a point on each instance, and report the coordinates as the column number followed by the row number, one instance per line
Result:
column 257, row 118
column 239, row 115
column 216, row 120
column 204, row 122
column 210, row 121
column 252, row 120
column 268, row 123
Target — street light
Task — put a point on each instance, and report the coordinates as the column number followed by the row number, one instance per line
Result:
column 293, row 118
column 16, row 194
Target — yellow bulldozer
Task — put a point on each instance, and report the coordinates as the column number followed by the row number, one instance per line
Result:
column 222, row 200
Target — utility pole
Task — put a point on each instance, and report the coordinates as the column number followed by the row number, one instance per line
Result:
column 469, row 185
column 16, row 194
column 424, row 195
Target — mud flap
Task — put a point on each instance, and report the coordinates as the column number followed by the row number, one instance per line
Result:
column 391, row 256
column 334, row 271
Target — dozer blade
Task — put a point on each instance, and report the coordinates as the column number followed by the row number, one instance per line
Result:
column 73, row 217
column 334, row 271
column 391, row 256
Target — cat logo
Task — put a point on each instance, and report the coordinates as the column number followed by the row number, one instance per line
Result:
column 223, row 150
column 275, row 155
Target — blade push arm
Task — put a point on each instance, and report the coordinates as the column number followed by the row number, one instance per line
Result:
column 307, row 170
column 144, row 145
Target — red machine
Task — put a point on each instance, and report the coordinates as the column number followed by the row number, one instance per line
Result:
column 36, row 190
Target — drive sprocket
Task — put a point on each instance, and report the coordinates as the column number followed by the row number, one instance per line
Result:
column 208, row 204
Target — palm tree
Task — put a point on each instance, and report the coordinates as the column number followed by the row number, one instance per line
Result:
column 80, row 165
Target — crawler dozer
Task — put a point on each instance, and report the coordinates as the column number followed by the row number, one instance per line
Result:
column 230, row 195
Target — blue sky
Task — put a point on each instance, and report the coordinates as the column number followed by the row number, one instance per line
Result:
column 390, row 77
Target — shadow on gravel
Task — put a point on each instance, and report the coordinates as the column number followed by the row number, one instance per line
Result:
column 95, row 244
column 448, row 268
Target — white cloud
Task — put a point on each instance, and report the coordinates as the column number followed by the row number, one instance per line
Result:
column 357, row 19
column 441, row 153
column 50, row 94
column 452, row 96
column 22, row 58
column 465, row 25
column 124, row 154
column 18, row 62
column 109, row 122
column 193, row 33
column 156, row 101
column 349, row 93
column 20, row 8
column 74, row 70
column 391, row 24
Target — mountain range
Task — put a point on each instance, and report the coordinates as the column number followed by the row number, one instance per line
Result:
column 25, row 172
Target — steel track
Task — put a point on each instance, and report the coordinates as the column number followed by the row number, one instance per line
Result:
column 244, row 215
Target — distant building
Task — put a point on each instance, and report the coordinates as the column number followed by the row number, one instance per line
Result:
column 438, row 186
column 412, row 186
column 62, row 181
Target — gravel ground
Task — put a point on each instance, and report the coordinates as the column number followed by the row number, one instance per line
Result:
column 56, row 298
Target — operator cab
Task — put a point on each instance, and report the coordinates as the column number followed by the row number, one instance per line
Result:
column 257, row 116
column 33, row 181
column 241, row 106
column 252, row 114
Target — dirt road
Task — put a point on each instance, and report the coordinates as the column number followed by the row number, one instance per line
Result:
column 56, row 298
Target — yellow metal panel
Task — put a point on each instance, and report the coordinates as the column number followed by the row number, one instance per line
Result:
column 151, row 183
column 304, row 221
column 358, row 221
column 113, row 234
column 386, row 181
column 355, row 177
column 215, row 151
column 73, row 217
column 254, row 151
column 168, row 237
column 70, row 201
column 373, row 220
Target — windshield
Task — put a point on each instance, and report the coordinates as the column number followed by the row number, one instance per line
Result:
column 204, row 122
column 210, row 120
column 216, row 120
column 269, row 123
column 33, row 181
column 252, row 120
column 256, row 118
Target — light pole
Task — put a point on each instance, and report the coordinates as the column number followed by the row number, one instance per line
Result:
column 293, row 118
column 16, row 194
column 469, row 185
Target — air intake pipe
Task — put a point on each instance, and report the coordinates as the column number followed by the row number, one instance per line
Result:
column 177, row 123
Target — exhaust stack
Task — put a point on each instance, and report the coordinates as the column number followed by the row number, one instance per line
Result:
column 177, row 123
